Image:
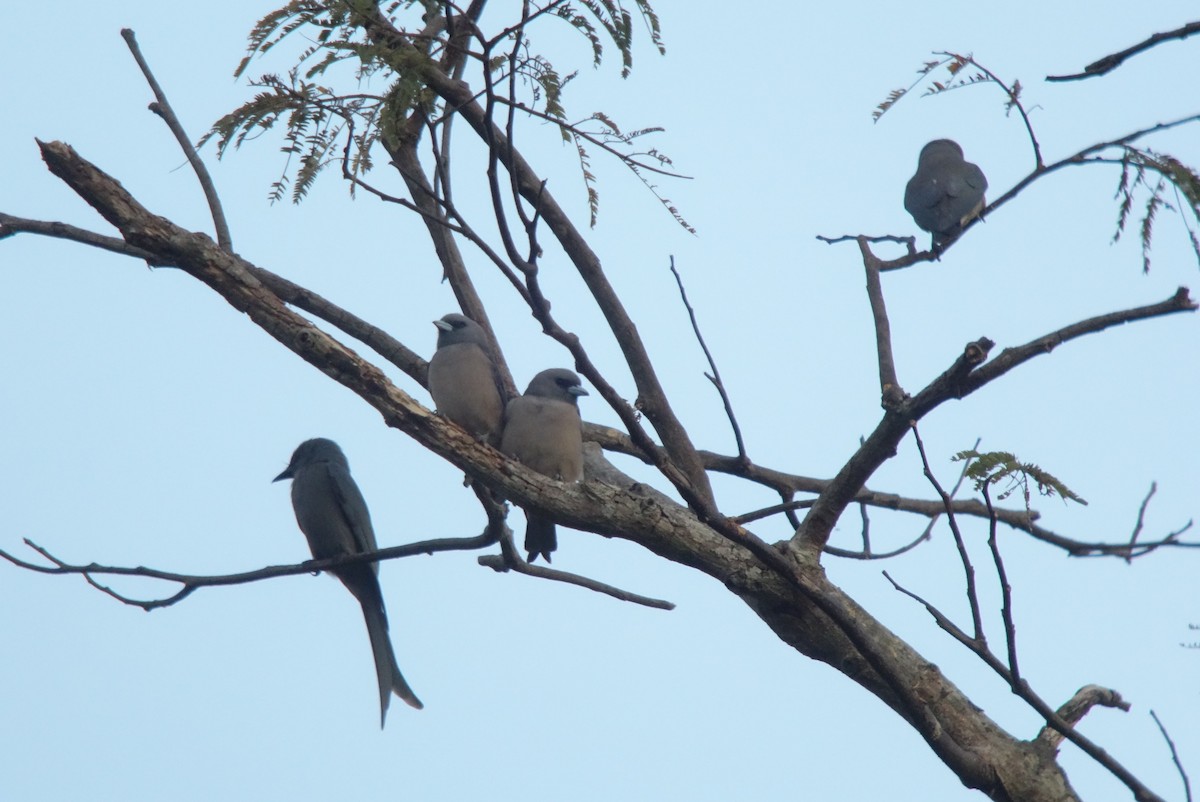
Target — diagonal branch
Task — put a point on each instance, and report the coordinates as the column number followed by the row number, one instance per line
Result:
column 1187, row 786
column 963, row 555
column 1111, row 62
column 510, row 560
column 1010, row 358
column 715, row 378
column 163, row 109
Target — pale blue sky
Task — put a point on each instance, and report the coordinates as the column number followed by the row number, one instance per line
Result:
column 146, row 419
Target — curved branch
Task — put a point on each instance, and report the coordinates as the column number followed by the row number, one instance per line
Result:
column 510, row 560
column 1078, row 706
column 715, row 378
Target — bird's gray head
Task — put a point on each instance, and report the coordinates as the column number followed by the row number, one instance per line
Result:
column 940, row 149
column 311, row 452
column 455, row 328
column 559, row 384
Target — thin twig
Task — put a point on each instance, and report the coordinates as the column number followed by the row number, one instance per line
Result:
column 1187, row 786
column 1006, row 612
column 193, row 582
column 510, row 560
column 964, row 556
column 527, row 222
column 911, row 242
column 866, row 529
column 1141, row 518
column 1014, row 102
column 774, row 509
column 715, row 378
column 878, row 555
column 163, row 109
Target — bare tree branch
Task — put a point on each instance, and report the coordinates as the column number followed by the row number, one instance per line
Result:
column 1073, row 711
column 193, row 582
column 1187, row 786
column 1010, row 358
column 1006, row 610
column 889, row 385
column 1141, row 518
column 968, row 568
column 1111, row 62
column 163, row 109
column 511, row 561
column 715, row 378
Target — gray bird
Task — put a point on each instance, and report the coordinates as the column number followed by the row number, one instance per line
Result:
column 543, row 430
column 463, row 380
column 333, row 516
column 946, row 192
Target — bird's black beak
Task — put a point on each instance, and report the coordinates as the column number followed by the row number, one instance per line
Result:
column 287, row 474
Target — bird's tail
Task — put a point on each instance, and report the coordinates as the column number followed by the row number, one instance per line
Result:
column 541, row 537
column 386, row 669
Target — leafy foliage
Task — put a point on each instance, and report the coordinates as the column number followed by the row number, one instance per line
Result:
column 324, row 126
column 314, row 117
column 1136, row 163
column 989, row 468
column 957, row 77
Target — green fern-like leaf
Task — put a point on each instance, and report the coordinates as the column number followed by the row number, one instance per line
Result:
column 989, row 468
column 1147, row 228
column 1136, row 164
column 584, row 26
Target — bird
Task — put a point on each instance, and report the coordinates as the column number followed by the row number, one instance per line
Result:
column 333, row 516
column 946, row 192
column 463, row 379
column 543, row 431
